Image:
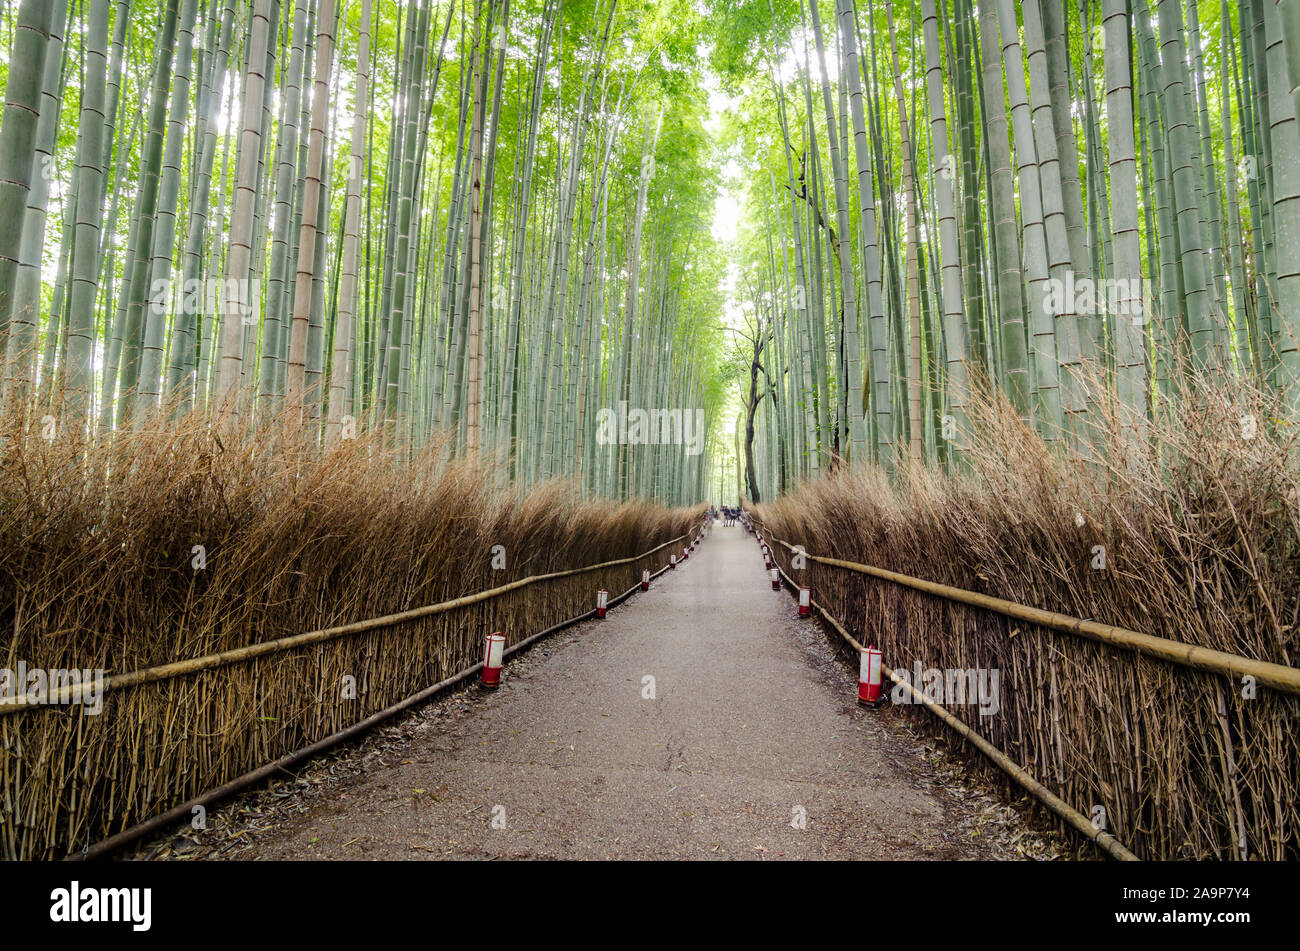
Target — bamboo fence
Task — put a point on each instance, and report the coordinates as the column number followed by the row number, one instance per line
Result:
column 1157, row 733
column 181, row 732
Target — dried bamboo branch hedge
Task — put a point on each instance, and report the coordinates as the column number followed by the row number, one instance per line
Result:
column 96, row 572
column 1201, row 545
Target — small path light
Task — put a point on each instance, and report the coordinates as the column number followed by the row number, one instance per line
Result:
column 645, row 580
column 776, row 578
column 496, row 646
column 602, row 602
column 672, row 561
column 805, row 602
column 869, row 676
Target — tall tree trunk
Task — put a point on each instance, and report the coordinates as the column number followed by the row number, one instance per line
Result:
column 341, row 367
column 239, row 257
column 296, row 396
column 1130, row 319
column 18, row 138
column 90, row 190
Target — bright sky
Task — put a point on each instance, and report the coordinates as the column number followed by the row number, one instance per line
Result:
column 726, row 211
column 727, row 207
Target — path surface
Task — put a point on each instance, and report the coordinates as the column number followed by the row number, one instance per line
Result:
column 753, row 721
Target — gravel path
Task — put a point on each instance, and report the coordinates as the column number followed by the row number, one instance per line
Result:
column 753, row 746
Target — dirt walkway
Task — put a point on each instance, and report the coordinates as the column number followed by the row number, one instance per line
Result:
column 753, row 730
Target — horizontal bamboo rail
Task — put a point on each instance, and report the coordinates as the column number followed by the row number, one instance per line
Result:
column 1063, row 809
column 1277, row 676
column 239, row 654
column 182, row 812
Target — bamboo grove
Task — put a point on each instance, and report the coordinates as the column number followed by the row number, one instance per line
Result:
column 493, row 218
column 1086, row 204
column 482, row 216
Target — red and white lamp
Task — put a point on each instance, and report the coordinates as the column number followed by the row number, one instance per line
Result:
column 870, row 676
column 492, row 659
